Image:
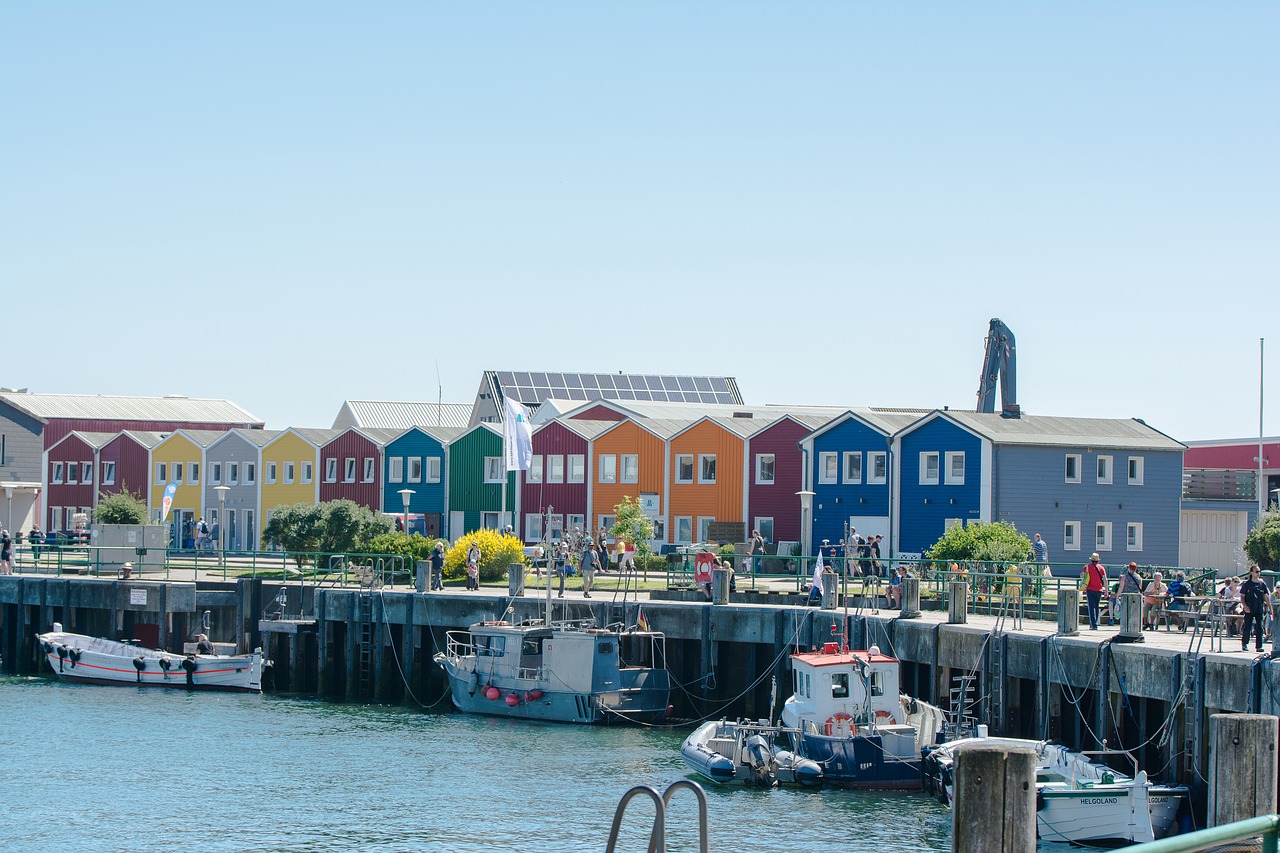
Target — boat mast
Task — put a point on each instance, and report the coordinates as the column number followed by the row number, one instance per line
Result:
column 546, row 556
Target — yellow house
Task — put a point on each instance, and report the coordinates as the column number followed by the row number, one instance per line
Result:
column 290, row 472
column 178, row 458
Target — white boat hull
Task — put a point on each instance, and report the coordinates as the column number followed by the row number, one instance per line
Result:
column 95, row 660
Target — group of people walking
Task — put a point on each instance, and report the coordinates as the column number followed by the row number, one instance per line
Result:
column 1251, row 600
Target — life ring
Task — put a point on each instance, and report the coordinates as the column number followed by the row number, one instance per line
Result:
column 883, row 715
column 838, row 723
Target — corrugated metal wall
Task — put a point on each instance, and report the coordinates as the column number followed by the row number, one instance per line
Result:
column 353, row 445
column 628, row 437
column 567, row 498
column 721, row 500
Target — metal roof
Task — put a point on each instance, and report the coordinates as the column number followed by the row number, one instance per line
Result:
column 533, row 388
column 96, row 440
column 389, row 414
column 97, row 407
column 260, row 437
column 1129, row 433
column 200, row 437
column 679, row 411
column 145, row 438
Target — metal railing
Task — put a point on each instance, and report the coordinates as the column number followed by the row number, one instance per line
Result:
column 1267, row 827
column 1217, row 485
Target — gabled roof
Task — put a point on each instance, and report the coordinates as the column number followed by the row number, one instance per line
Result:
column 96, row 440
column 390, row 414
column 46, row 407
column 679, row 410
column 145, row 438
column 582, row 429
column 201, row 438
column 885, row 421
column 260, row 437
column 317, row 438
column 496, row 429
column 444, row 435
column 1120, row 433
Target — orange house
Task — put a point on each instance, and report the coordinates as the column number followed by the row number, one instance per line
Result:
column 628, row 460
column 705, row 473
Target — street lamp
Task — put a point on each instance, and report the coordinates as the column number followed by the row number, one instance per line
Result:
column 222, row 528
column 806, row 508
column 405, row 495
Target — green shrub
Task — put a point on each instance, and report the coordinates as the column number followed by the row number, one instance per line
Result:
column 1262, row 545
column 999, row 541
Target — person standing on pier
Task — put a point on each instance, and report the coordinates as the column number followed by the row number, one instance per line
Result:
column 437, row 567
column 1256, row 600
column 6, row 553
column 473, row 566
column 1040, row 550
column 755, row 545
column 588, row 563
column 1095, row 583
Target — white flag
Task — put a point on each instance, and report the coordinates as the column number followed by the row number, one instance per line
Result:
column 817, row 573
column 517, row 436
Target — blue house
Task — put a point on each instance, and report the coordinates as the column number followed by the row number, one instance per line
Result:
column 415, row 460
column 849, row 470
column 1085, row 484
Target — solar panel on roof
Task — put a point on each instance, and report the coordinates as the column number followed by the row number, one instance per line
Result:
column 691, row 397
column 525, row 394
column 670, row 383
column 541, row 392
column 719, row 385
column 654, row 383
column 643, row 395
column 625, row 395
column 589, row 381
column 686, row 383
column 555, row 380
column 726, row 398
column 576, row 394
column 702, row 383
column 622, row 383
column 605, row 380
column 539, row 378
column 523, row 379
column 707, row 397
column 505, row 378
column 572, row 380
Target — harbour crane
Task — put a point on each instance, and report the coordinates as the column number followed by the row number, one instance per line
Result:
column 1001, row 361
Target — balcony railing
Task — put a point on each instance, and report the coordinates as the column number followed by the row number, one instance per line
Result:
column 1210, row 484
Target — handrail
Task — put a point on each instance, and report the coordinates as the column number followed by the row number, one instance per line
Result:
column 1267, row 826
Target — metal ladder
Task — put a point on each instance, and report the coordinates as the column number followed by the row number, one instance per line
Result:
column 364, row 660
column 960, row 722
column 658, row 834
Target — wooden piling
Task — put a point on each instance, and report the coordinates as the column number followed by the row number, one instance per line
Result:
column 957, row 602
column 1242, row 766
column 1068, row 612
column 995, row 800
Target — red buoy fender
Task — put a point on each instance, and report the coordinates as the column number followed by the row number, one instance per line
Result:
column 513, row 700
column 492, row 693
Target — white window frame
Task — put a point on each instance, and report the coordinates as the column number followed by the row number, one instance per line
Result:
column 761, row 479
column 1102, row 536
column 288, row 472
column 349, row 469
column 534, row 474
column 764, row 523
column 576, row 471
column 56, row 476
column 707, row 469
column 176, row 470
column 1070, row 536
column 629, row 468
column 555, row 468
column 493, row 466
column 395, row 469
column 215, row 473
column 271, row 473
column 233, row 473
column 86, row 473
column 1137, row 470
column 684, row 461
column 1072, row 460
column 952, row 458
column 370, row 470
column 930, row 458
column 1133, row 536
column 704, row 527
column 607, row 522
column 193, row 473
column 250, row 473
column 877, row 460
column 607, row 467
column 306, row 471
column 574, row 521
column 415, row 469
column 683, row 530
column 533, row 527
column 431, row 471
column 162, row 473
column 828, row 467
column 108, row 473
column 331, row 469
column 1106, row 470
column 853, row 478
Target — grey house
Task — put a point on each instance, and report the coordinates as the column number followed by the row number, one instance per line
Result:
column 233, row 486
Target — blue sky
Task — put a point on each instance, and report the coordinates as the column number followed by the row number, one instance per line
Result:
column 294, row 204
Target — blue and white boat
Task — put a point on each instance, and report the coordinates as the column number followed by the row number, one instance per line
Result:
column 569, row 672
column 754, row 754
column 854, row 722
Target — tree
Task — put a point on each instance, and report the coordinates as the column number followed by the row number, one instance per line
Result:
column 120, row 508
column 497, row 552
column 1262, row 545
column 632, row 525
column 331, row 527
column 998, row 542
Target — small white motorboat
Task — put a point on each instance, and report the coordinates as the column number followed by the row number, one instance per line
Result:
column 1078, row 799
column 753, row 754
column 95, row 660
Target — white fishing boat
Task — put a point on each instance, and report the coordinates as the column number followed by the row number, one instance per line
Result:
column 853, row 721
column 754, row 754
column 1079, row 799
column 95, row 660
column 570, row 671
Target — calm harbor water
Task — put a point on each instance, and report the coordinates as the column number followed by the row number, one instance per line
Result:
column 109, row 768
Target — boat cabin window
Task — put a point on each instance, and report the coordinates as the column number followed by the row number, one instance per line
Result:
column 604, row 648
column 839, row 685
column 532, row 646
column 877, row 683
column 807, row 694
column 490, row 646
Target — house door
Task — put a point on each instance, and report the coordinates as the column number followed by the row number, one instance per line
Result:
column 233, row 542
column 184, row 524
column 1213, row 539
column 457, row 524
column 250, row 531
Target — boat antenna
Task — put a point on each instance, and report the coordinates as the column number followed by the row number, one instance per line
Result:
column 546, row 556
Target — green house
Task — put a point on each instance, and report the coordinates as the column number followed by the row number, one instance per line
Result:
column 477, row 469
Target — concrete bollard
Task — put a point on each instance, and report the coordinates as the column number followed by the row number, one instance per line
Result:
column 995, row 800
column 719, row 586
column 910, row 598
column 1242, row 766
column 1130, row 619
column 957, row 603
column 1068, row 611
column 421, row 582
column 515, row 579
column 830, row 590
